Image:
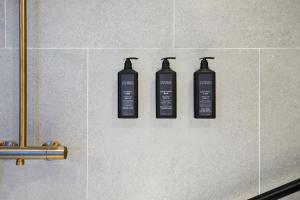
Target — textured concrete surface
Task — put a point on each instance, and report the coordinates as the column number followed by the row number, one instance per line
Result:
column 184, row 158
column 57, row 111
column 74, row 23
column 235, row 23
column 77, row 48
column 280, row 133
column 9, row 104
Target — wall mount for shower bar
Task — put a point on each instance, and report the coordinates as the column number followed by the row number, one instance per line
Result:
column 20, row 152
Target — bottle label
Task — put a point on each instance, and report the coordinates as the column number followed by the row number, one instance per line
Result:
column 166, row 95
column 127, row 94
column 205, row 95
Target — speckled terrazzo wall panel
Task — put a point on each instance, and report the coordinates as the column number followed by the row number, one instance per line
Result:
column 280, row 117
column 236, row 24
column 149, row 158
column 76, row 49
column 94, row 23
column 57, row 111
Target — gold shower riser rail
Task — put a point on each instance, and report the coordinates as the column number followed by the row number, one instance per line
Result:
column 21, row 152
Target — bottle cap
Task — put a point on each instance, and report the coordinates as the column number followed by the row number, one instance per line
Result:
column 166, row 63
column 128, row 64
column 204, row 63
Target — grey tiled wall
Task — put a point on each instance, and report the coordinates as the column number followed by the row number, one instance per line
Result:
column 57, row 110
column 280, row 117
column 2, row 24
column 235, row 23
column 76, row 49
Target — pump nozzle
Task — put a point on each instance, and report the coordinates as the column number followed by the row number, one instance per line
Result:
column 204, row 58
column 128, row 64
column 166, row 63
column 204, row 63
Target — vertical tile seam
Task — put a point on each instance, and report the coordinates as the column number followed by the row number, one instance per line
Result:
column 87, row 123
column 154, row 48
column 259, row 120
column 5, row 24
column 174, row 23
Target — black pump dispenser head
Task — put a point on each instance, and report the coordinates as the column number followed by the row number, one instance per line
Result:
column 128, row 64
column 166, row 63
column 204, row 63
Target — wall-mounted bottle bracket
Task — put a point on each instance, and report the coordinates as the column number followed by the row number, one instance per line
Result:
column 20, row 151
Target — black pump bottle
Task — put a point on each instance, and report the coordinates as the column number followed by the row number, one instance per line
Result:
column 166, row 98
column 205, row 91
column 128, row 91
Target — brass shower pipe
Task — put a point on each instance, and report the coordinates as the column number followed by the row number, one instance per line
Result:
column 21, row 152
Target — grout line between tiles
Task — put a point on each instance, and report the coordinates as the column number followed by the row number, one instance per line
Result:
column 85, row 48
column 174, row 22
column 87, row 123
column 240, row 48
column 259, row 119
column 4, row 23
column 279, row 48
